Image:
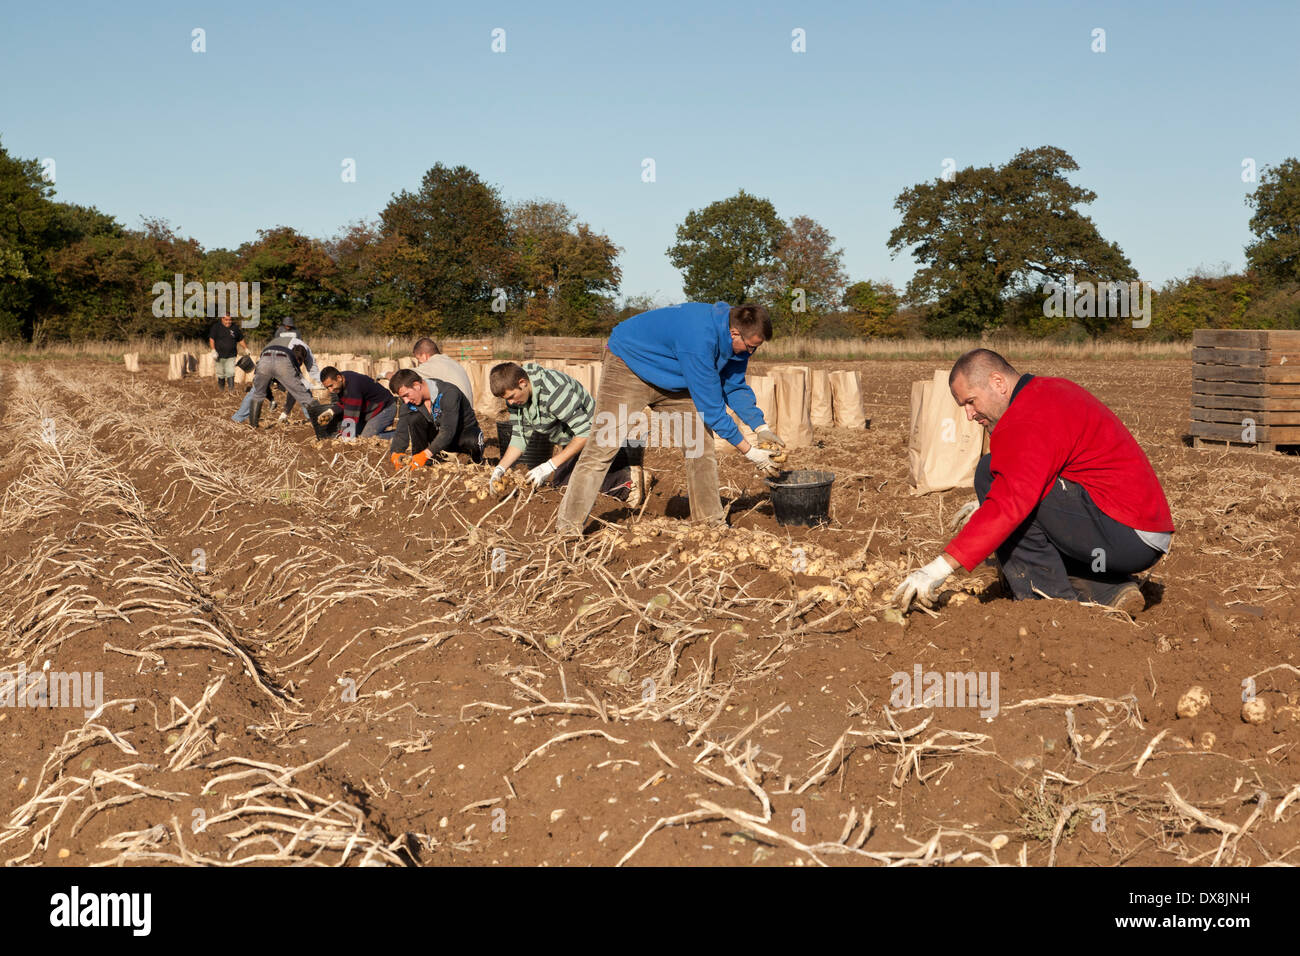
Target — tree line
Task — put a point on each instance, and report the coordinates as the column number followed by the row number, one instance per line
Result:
column 453, row 257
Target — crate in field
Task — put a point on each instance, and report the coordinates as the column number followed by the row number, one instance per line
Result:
column 554, row 348
column 1245, row 387
column 467, row 350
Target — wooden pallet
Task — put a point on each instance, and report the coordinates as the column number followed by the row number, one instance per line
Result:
column 560, row 349
column 1245, row 388
column 467, row 350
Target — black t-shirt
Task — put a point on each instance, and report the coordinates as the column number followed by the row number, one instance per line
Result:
column 225, row 339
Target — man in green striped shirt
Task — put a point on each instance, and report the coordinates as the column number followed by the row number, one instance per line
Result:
column 549, row 403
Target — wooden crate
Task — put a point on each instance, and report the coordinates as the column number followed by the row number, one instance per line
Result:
column 1245, row 388
column 560, row 349
column 467, row 350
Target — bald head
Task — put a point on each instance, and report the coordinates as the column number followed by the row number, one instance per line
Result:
column 982, row 382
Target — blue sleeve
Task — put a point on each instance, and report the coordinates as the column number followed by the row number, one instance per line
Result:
column 740, row 397
column 705, row 386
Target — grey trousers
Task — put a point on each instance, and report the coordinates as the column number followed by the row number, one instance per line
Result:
column 280, row 368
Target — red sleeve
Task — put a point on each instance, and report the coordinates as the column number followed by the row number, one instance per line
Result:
column 1024, row 457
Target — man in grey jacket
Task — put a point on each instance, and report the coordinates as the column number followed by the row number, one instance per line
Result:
column 431, row 363
column 279, row 362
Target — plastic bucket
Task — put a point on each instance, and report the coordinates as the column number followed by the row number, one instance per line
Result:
column 801, row 497
column 538, row 450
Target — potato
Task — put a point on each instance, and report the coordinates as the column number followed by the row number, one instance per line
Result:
column 1192, row 703
column 1255, row 711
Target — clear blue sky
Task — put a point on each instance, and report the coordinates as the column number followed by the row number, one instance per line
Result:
column 251, row 133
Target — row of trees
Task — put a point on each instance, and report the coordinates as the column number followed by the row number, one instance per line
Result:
column 451, row 257
column 455, row 258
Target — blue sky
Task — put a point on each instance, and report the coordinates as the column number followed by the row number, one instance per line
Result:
column 252, row 133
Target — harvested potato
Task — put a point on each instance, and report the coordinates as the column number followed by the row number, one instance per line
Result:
column 1255, row 711
column 1194, row 702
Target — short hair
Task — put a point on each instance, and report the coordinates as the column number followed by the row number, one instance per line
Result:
column 425, row 346
column 748, row 319
column 504, row 376
column 403, row 378
column 976, row 366
column 329, row 372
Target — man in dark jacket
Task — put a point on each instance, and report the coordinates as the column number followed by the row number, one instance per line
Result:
column 1068, row 499
column 226, row 339
column 367, row 408
column 439, row 419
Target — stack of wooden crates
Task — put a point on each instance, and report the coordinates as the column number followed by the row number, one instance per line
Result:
column 1246, row 388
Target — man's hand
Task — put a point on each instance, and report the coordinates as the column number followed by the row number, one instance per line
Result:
column 766, row 434
column 420, row 460
column 542, row 472
column 497, row 473
column 214, row 355
column 762, row 459
column 399, row 460
column 923, row 585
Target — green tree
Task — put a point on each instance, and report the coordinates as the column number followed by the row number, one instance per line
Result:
column 1275, row 253
column 296, row 277
column 563, row 269
column 106, row 282
column 990, row 233
column 454, row 245
column 807, row 279
column 33, row 228
column 725, row 249
column 874, row 309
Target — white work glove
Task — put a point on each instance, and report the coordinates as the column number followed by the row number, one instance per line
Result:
column 766, row 434
column 539, row 474
column 923, row 585
column 498, row 473
column 762, row 459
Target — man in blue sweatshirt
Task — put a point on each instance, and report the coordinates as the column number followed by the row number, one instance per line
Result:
column 682, row 359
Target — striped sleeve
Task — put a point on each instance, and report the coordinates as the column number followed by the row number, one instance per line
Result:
column 563, row 398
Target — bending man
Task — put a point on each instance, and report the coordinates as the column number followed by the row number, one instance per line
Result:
column 685, row 359
column 555, row 405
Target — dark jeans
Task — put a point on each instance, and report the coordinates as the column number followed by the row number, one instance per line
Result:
column 1067, row 534
column 422, row 432
column 616, row 479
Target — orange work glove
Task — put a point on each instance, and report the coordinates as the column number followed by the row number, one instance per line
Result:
column 418, row 461
column 399, row 460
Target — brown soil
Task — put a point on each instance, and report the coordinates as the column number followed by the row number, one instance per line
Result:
column 308, row 659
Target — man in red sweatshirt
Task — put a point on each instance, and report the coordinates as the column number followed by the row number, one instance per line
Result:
column 1068, row 500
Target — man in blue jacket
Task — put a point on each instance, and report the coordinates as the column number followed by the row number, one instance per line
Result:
column 682, row 359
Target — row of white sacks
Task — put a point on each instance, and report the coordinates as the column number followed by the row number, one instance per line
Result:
column 794, row 399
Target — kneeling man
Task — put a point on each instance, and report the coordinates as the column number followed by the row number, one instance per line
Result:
column 1068, row 500
column 439, row 420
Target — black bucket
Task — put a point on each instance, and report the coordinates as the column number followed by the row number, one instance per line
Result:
column 537, row 451
column 801, row 497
